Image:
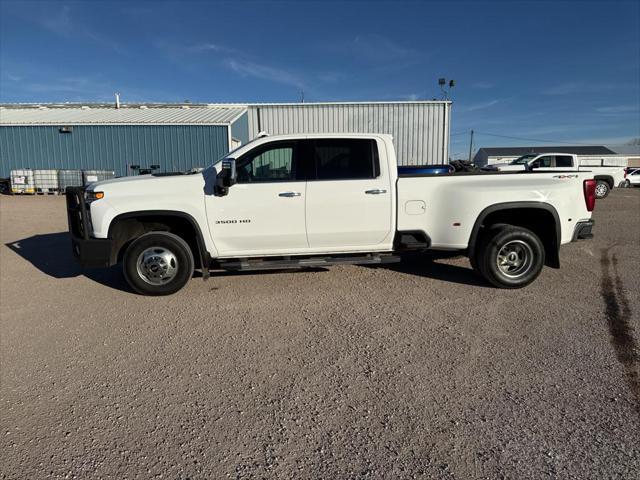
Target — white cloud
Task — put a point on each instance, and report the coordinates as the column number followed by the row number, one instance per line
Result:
column 619, row 109
column 332, row 77
column 60, row 21
column 479, row 106
column 411, row 96
column 569, row 88
column 13, row 78
column 375, row 47
column 564, row 88
column 482, row 85
column 605, row 140
column 208, row 47
column 264, row 72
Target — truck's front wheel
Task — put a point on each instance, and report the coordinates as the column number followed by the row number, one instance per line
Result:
column 158, row 263
column 510, row 257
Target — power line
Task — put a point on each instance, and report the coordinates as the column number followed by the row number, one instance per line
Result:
column 536, row 139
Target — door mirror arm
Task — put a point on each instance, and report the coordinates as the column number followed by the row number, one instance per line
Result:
column 226, row 177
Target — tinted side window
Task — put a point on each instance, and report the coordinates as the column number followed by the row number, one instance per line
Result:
column 544, row 162
column 274, row 163
column 342, row 159
column 563, row 161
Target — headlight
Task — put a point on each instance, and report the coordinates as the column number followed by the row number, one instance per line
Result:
column 91, row 196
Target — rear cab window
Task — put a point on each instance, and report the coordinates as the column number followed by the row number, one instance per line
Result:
column 343, row 159
column 564, row 161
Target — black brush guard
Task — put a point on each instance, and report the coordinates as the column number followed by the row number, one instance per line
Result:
column 90, row 252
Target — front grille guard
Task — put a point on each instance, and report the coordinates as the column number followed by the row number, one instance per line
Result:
column 78, row 213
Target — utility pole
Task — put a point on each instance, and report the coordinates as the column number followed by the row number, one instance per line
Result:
column 471, row 145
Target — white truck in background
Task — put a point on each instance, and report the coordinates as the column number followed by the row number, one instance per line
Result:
column 606, row 177
column 314, row 200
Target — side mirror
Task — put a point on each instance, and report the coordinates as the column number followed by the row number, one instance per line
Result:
column 226, row 177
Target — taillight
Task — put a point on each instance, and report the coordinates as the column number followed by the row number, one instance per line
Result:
column 590, row 194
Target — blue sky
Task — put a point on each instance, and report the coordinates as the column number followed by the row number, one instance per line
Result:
column 554, row 71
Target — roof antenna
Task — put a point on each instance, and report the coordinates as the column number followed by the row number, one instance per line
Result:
column 117, row 100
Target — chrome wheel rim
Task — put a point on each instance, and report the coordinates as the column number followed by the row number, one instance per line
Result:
column 157, row 265
column 601, row 189
column 515, row 258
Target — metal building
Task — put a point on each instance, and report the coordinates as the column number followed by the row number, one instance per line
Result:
column 420, row 129
column 631, row 152
column 99, row 138
column 180, row 137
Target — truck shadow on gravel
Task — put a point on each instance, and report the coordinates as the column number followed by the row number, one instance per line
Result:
column 618, row 314
column 51, row 254
column 426, row 266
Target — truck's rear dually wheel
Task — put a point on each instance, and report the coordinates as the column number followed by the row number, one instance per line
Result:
column 510, row 256
column 158, row 263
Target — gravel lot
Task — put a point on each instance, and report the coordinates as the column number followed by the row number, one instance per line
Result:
column 419, row 370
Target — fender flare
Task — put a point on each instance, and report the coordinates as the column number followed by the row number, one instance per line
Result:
column 205, row 257
column 606, row 178
column 475, row 232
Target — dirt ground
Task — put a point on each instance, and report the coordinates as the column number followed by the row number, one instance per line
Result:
column 419, row 370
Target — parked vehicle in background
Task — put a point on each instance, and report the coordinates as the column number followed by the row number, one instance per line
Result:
column 606, row 177
column 5, row 185
column 299, row 201
column 632, row 177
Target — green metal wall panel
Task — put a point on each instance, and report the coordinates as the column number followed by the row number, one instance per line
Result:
column 111, row 147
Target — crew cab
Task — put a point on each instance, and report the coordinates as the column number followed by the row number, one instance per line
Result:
column 606, row 177
column 314, row 200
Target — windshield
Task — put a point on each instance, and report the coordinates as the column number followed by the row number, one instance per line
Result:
column 523, row 159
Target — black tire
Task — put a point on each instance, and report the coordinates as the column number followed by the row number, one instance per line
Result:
column 481, row 245
column 165, row 258
column 602, row 189
column 523, row 250
column 474, row 263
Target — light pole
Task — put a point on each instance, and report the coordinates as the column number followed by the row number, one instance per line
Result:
column 443, row 86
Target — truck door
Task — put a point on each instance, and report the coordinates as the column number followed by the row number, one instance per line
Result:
column 349, row 195
column 263, row 212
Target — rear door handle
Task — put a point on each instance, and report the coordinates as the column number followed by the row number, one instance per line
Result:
column 375, row 191
column 289, row 194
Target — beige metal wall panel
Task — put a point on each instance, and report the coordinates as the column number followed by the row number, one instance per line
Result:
column 420, row 129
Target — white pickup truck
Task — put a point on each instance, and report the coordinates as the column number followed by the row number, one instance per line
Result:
column 606, row 177
column 314, row 200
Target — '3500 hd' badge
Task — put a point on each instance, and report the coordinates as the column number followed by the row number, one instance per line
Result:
column 246, row 220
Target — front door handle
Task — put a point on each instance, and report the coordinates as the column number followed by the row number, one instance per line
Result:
column 375, row 191
column 289, row 194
